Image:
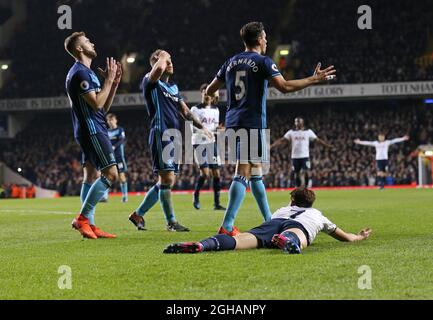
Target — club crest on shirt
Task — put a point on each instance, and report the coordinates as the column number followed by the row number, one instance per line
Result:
column 84, row 85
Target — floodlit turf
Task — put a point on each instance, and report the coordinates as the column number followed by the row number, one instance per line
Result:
column 36, row 239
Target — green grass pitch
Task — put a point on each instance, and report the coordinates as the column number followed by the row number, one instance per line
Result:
column 36, row 239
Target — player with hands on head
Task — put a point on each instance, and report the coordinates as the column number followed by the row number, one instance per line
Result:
column 164, row 104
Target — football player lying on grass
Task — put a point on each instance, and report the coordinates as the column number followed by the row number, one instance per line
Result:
column 291, row 229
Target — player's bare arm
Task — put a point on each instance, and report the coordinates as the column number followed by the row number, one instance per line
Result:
column 189, row 116
column 279, row 143
column 341, row 235
column 160, row 66
column 402, row 139
column 287, row 86
column 214, row 87
column 364, row 143
column 98, row 100
column 324, row 143
column 114, row 87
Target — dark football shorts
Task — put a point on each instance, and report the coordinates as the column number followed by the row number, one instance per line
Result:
column 267, row 230
column 251, row 145
column 301, row 164
column 97, row 150
column 205, row 159
column 382, row 165
column 121, row 165
column 164, row 157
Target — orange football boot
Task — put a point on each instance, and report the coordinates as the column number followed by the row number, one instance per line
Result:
column 233, row 233
column 81, row 224
column 101, row 234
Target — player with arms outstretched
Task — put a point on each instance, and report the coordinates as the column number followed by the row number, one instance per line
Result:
column 300, row 139
column 118, row 139
column 291, row 229
column 382, row 147
column 205, row 150
column 90, row 102
column 164, row 105
column 246, row 77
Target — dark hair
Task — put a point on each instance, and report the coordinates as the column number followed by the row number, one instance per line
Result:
column 111, row 116
column 203, row 87
column 71, row 41
column 303, row 197
column 251, row 32
column 153, row 58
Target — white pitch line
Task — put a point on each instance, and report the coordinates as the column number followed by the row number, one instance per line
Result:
column 35, row 211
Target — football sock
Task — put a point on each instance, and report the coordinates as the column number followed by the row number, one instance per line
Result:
column 106, row 194
column 259, row 191
column 83, row 195
column 217, row 190
column 124, row 189
column 237, row 193
column 381, row 181
column 298, row 181
column 94, row 195
column 221, row 242
column 149, row 201
column 200, row 184
column 166, row 203
column 84, row 191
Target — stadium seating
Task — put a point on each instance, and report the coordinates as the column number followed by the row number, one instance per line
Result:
column 51, row 159
column 41, row 72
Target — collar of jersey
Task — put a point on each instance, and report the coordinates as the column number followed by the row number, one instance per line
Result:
column 81, row 64
column 174, row 90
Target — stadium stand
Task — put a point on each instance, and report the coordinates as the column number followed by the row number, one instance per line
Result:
column 399, row 44
column 51, row 159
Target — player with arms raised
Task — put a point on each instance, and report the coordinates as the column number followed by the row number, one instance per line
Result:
column 206, row 151
column 89, row 104
column 246, row 76
column 300, row 139
column 164, row 105
column 382, row 147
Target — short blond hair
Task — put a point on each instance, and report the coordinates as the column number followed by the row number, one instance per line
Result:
column 71, row 41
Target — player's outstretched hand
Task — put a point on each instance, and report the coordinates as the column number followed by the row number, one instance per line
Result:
column 406, row 137
column 327, row 74
column 110, row 70
column 365, row 233
column 357, row 141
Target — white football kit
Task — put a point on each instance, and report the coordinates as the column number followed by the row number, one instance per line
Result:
column 300, row 142
column 311, row 219
column 381, row 147
column 209, row 117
